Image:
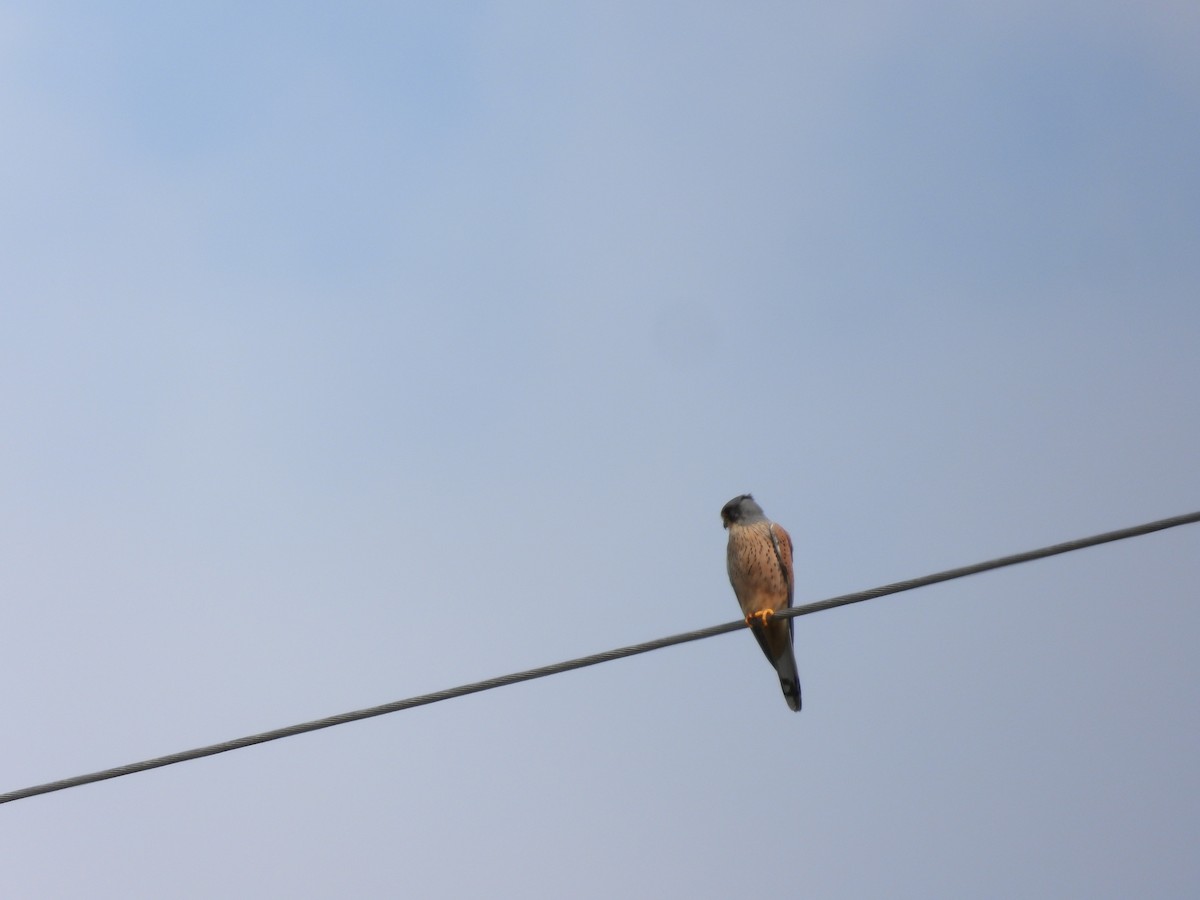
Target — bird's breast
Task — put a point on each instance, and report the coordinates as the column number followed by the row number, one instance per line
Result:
column 754, row 569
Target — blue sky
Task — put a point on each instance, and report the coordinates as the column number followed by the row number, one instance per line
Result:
column 348, row 354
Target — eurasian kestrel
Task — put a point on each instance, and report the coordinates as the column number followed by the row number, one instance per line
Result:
column 759, row 557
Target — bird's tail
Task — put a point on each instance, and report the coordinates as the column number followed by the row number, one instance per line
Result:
column 789, row 679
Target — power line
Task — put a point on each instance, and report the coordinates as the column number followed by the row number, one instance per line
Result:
column 999, row 563
column 596, row 658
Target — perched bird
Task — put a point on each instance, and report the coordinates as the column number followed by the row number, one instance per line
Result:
column 759, row 557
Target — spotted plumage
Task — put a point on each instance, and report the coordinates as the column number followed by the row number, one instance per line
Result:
column 759, row 557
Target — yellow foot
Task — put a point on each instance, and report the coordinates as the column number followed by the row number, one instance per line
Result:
column 763, row 615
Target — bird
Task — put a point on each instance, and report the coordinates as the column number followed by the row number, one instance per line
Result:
column 759, row 558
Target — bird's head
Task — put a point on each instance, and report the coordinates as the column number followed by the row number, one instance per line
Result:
column 741, row 510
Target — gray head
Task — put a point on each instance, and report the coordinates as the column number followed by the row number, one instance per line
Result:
column 741, row 511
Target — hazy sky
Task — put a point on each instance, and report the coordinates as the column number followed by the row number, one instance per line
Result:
column 353, row 351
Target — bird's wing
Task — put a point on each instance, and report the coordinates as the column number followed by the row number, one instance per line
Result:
column 781, row 541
